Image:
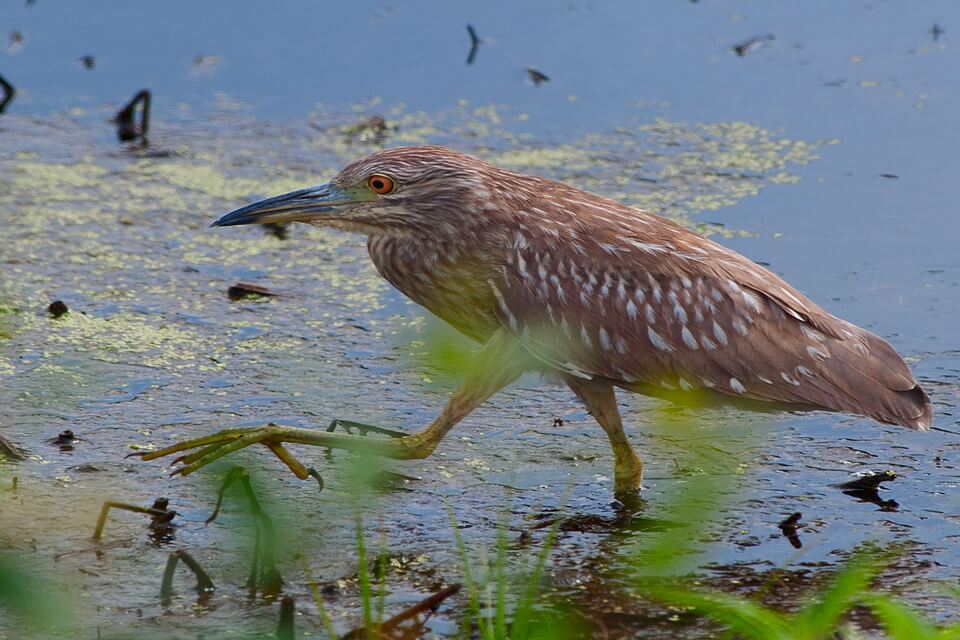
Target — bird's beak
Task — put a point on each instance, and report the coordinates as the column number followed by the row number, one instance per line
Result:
column 303, row 205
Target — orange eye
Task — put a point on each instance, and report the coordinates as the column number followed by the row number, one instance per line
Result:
column 380, row 184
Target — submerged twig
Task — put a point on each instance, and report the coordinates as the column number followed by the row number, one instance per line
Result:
column 474, row 44
column 285, row 626
column 425, row 608
column 8, row 93
column 10, row 451
column 160, row 515
column 127, row 128
column 788, row 526
column 204, row 583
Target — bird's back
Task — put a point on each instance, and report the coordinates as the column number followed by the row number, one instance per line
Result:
column 599, row 289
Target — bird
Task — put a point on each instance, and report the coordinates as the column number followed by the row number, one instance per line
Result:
column 586, row 290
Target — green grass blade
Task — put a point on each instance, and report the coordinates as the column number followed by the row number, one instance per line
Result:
column 746, row 618
column 821, row 617
column 472, row 588
column 364, row 577
column 318, row 599
column 524, row 611
column 900, row 621
column 500, row 576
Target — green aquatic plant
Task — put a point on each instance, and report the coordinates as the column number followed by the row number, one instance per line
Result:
column 822, row 617
column 505, row 604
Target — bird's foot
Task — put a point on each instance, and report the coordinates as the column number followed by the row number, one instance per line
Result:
column 202, row 451
column 627, row 478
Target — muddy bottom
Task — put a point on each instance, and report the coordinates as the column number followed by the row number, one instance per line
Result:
column 154, row 350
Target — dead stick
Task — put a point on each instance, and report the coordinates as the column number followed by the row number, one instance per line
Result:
column 204, row 583
column 427, row 605
column 102, row 520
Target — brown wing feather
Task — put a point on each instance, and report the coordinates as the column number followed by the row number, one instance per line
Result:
column 624, row 295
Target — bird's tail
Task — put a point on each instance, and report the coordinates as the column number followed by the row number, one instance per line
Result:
column 870, row 378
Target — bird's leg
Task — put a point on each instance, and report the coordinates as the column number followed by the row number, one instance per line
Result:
column 499, row 366
column 601, row 402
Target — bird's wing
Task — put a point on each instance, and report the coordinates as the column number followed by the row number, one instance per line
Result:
column 697, row 316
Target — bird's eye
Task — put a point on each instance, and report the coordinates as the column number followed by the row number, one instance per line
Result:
column 380, row 184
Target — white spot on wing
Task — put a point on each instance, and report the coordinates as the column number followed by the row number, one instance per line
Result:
column 657, row 340
column 688, row 338
column 737, row 386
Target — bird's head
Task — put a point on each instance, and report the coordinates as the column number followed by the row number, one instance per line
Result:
column 428, row 188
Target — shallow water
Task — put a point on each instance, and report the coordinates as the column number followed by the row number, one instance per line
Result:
column 770, row 151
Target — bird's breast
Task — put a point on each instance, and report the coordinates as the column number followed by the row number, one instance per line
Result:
column 441, row 276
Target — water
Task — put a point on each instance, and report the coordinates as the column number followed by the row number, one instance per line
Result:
column 827, row 154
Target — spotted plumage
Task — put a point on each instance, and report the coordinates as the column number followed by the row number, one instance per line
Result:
column 596, row 289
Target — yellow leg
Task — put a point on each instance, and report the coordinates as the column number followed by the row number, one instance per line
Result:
column 500, row 365
column 601, row 402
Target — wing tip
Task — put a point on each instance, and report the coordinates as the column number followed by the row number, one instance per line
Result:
column 923, row 420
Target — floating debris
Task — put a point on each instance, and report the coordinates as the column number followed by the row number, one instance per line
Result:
column 558, row 422
column 474, row 44
column 285, row 626
column 936, row 32
column 416, row 616
column 243, row 290
column 536, row 77
column 868, row 481
column 16, row 42
column 752, row 45
column 160, row 515
column 127, row 128
column 58, row 308
column 8, row 93
column 87, row 61
column 10, row 451
column 204, row 583
column 65, row 440
column 204, row 65
column 279, row 230
column 889, row 176
column 373, row 129
column 866, row 488
column 788, row 526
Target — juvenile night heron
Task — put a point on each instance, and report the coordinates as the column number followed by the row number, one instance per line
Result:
column 585, row 289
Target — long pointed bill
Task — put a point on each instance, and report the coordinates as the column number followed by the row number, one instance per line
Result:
column 301, row 206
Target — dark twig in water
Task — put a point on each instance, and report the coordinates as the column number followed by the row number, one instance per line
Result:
column 788, row 526
column 536, row 77
column 752, row 44
column 285, row 626
column 10, row 451
column 8, row 93
column 160, row 515
column 204, row 583
column 425, row 608
column 127, row 128
column 474, row 44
